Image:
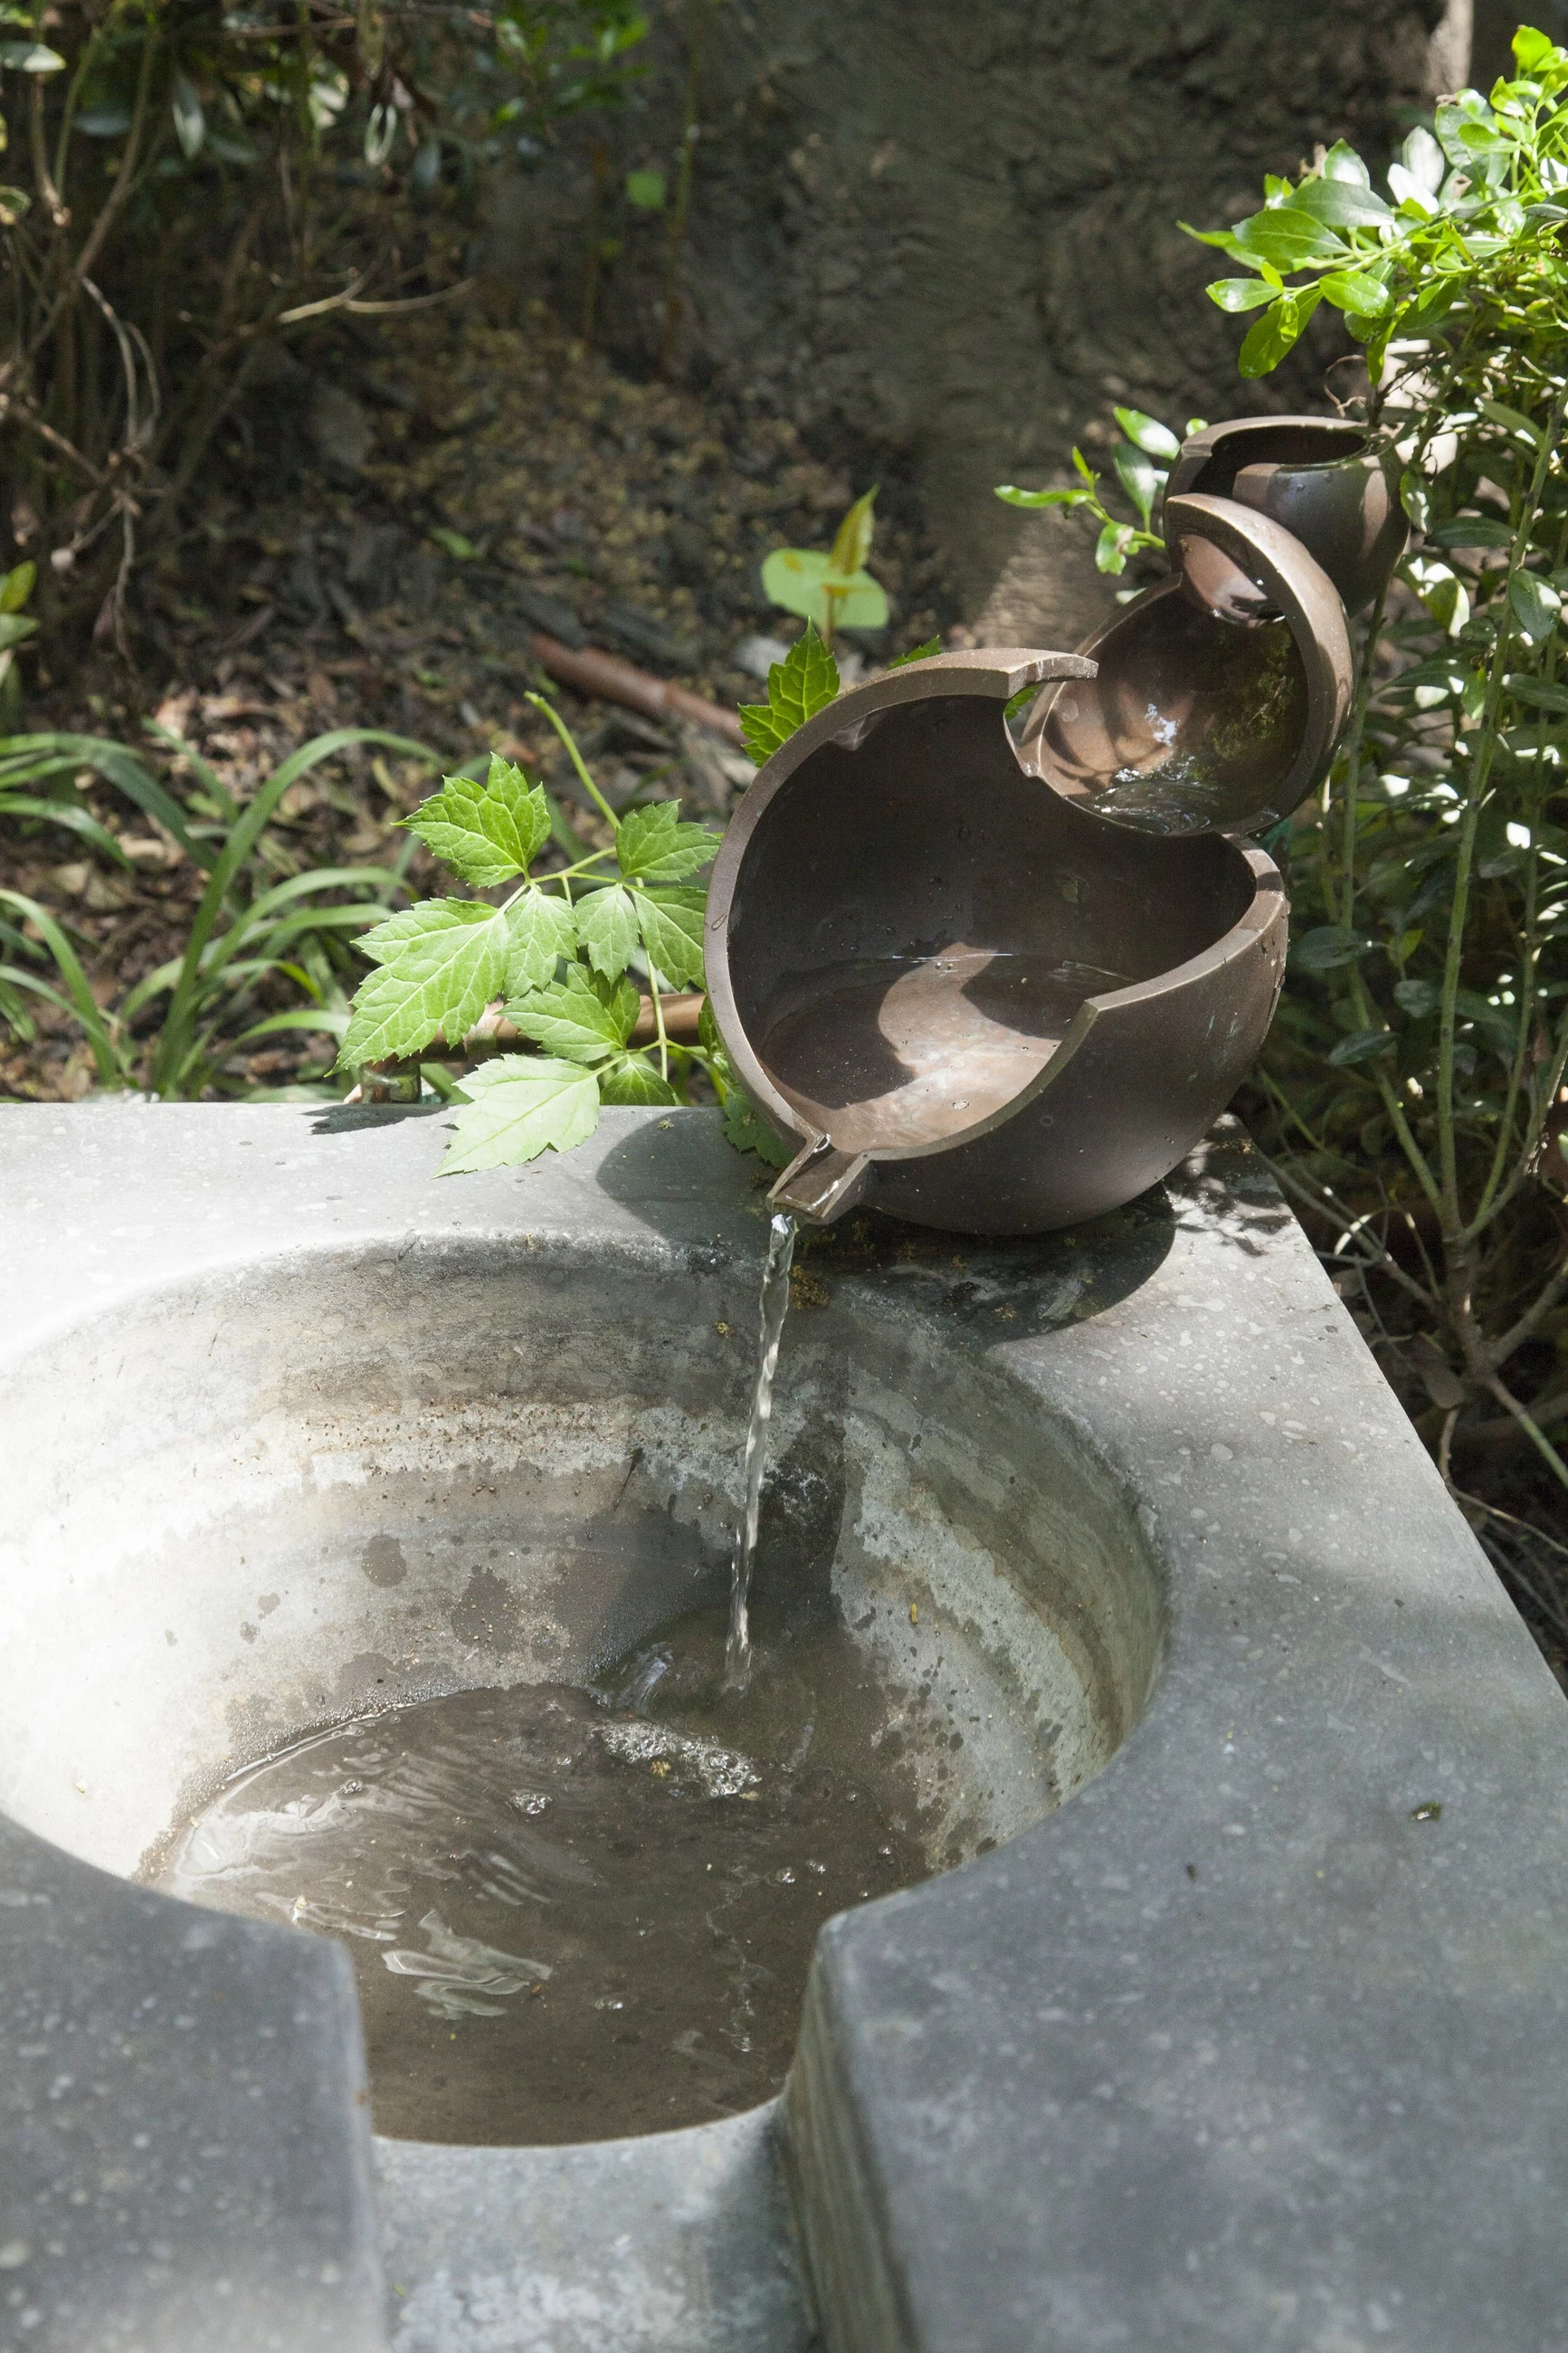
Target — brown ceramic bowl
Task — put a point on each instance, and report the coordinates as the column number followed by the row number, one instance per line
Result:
column 965, row 997
column 1321, row 477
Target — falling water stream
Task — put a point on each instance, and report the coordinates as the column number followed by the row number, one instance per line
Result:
column 775, row 1307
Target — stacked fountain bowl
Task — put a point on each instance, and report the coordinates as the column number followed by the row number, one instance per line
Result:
column 998, row 981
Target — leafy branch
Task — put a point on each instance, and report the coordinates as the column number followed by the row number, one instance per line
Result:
column 560, row 957
column 1142, row 464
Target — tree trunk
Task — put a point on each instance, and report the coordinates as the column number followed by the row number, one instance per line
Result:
column 945, row 239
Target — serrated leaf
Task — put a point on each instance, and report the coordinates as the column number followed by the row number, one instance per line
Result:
column 540, row 930
column 672, row 922
column 581, row 1018
column 748, row 1133
column 516, row 1107
column 917, row 653
column 634, row 1081
column 1326, row 947
column 444, row 961
column 487, row 833
column 1147, row 433
column 800, row 686
column 654, row 845
column 607, row 927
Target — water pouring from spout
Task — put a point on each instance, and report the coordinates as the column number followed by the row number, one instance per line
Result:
column 774, row 1306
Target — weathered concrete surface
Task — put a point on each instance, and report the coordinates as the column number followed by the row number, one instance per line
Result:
column 676, row 2243
column 1245, row 2051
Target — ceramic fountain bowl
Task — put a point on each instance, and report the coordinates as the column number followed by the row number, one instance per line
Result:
column 997, row 993
column 1325, row 478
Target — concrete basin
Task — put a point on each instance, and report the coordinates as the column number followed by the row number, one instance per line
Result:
column 1239, row 2050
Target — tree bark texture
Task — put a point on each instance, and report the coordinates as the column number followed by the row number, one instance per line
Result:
column 943, row 237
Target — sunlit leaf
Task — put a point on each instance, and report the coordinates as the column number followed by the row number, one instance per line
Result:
column 653, row 844
column 1147, row 433
column 514, row 1108
column 487, row 833
column 440, row 965
column 607, row 927
column 800, row 686
column 581, row 1018
column 635, row 1080
column 540, row 930
column 672, row 922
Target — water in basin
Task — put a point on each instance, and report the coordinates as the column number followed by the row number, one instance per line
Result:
column 578, row 1912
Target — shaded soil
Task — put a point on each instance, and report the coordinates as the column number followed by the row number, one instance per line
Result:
column 381, row 531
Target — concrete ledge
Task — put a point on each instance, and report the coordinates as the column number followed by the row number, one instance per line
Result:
column 1246, row 2050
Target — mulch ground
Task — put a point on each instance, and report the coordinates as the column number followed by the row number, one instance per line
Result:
column 379, row 533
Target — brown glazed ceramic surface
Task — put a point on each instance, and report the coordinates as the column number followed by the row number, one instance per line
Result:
column 1219, row 692
column 967, row 997
column 1315, row 475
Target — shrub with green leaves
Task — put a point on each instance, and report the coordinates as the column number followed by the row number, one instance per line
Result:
column 562, row 959
column 1412, row 1093
column 1142, row 461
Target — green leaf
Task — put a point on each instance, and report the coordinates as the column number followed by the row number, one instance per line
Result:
column 1414, row 497
column 1357, row 291
column 852, row 540
column 1472, row 531
column 14, row 202
column 441, row 964
column 917, row 653
column 1536, row 605
column 190, row 121
column 30, row 56
column 1419, row 999
column 1341, row 163
column 15, row 628
column 1340, row 204
column 540, row 928
column 653, row 844
column 1289, row 238
column 1520, row 428
column 1541, row 693
column 1326, row 947
column 647, row 191
column 607, row 927
column 487, row 833
column 1016, row 497
column 17, row 587
column 748, row 1133
column 584, row 1018
column 1139, row 478
column 1268, row 339
column 1147, row 433
column 1111, row 547
column 453, row 543
column 1241, row 293
column 516, row 1107
column 634, row 1081
column 800, row 686
column 1532, row 50
column 798, row 580
column 671, row 925
column 1363, row 1045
